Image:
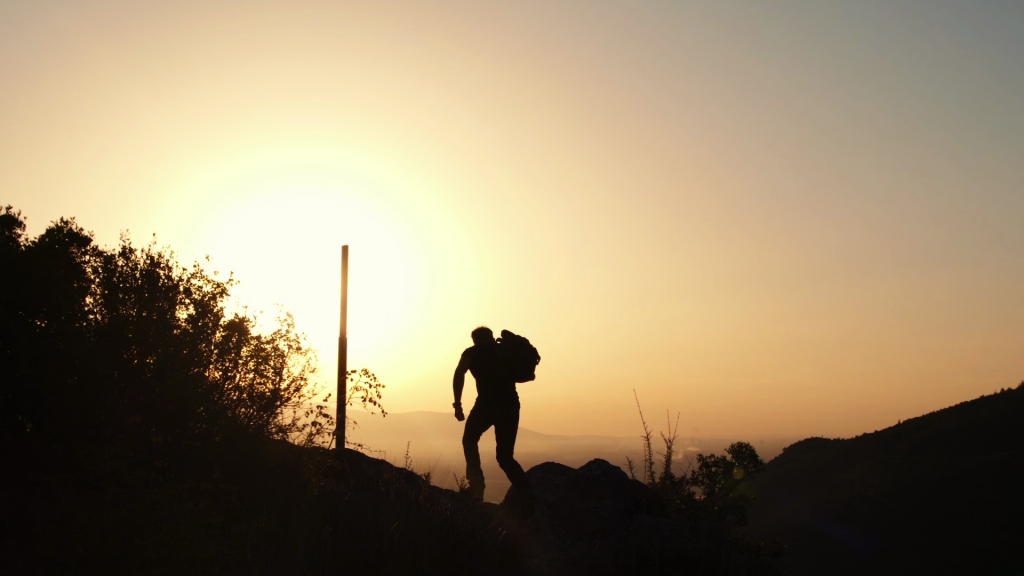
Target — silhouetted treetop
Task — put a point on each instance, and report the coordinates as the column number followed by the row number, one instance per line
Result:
column 129, row 346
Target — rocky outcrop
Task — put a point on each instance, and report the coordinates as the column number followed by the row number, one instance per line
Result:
column 593, row 520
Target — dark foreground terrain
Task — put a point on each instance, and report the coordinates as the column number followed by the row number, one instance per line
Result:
column 280, row 509
column 937, row 494
column 266, row 508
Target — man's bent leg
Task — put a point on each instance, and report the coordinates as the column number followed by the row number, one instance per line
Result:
column 477, row 423
column 506, row 428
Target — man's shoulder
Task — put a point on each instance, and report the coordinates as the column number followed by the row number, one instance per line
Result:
column 466, row 360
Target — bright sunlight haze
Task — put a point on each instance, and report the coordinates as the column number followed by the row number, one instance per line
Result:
column 795, row 220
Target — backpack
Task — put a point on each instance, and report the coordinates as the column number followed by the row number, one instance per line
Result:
column 519, row 356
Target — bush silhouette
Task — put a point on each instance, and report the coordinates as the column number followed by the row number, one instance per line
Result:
column 128, row 347
column 708, row 498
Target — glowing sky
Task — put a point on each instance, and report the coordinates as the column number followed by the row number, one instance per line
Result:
column 779, row 219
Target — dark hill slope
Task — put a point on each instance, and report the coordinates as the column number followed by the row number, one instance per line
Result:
column 941, row 493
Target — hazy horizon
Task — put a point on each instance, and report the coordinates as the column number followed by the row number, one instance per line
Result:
column 432, row 440
column 779, row 221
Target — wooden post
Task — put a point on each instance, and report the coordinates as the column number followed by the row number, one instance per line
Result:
column 342, row 355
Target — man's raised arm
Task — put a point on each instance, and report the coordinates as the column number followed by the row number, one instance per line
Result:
column 458, row 383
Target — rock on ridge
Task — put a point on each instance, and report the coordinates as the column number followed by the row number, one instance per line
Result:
column 592, row 520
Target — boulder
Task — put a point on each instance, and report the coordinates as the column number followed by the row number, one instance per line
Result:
column 592, row 520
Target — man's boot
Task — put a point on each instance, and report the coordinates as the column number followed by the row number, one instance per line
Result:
column 475, row 492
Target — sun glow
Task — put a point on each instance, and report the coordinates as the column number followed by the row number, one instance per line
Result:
column 282, row 238
column 287, row 242
column 632, row 190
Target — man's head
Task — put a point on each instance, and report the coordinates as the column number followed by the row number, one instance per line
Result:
column 482, row 336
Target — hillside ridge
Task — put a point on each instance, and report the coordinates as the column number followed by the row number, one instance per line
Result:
column 938, row 490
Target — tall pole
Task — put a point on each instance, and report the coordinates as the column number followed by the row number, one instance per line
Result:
column 342, row 355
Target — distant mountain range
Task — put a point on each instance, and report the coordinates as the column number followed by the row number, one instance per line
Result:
column 939, row 494
column 434, row 440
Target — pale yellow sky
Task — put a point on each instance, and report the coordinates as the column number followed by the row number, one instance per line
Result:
column 794, row 220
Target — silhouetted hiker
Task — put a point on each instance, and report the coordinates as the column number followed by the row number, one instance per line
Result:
column 497, row 404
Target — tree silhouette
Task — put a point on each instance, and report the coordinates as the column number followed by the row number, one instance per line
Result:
column 126, row 347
